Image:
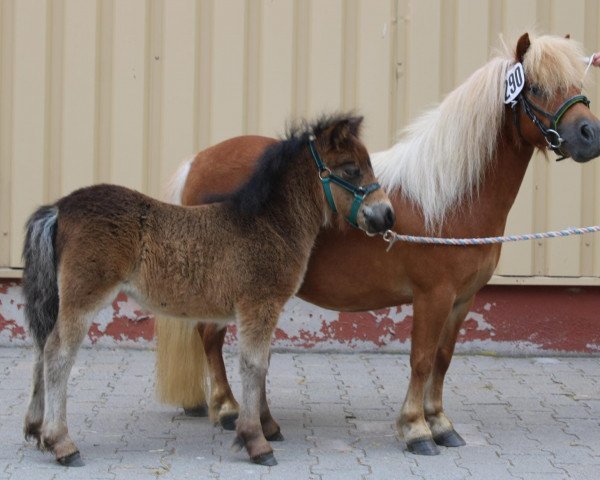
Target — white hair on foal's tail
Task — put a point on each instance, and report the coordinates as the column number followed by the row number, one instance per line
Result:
column 174, row 188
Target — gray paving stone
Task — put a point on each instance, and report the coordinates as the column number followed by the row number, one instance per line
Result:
column 521, row 418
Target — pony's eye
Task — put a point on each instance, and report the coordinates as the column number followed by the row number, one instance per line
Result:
column 535, row 90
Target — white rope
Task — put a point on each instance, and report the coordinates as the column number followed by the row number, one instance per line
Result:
column 392, row 237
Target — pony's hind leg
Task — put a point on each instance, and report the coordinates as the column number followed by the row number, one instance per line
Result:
column 431, row 310
column 440, row 425
column 35, row 411
column 59, row 355
column 223, row 407
column 256, row 327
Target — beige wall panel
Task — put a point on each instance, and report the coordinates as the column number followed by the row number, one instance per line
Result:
column 325, row 53
column 520, row 16
column 471, row 41
column 374, row 87
column 228, row 75
column 178, row 75
column 79, row 95
column 28, row 155
column 276, row 63
column 122, row 91
column 423, row 59
column 564, row 206
column 128, row 93
column 6, row 101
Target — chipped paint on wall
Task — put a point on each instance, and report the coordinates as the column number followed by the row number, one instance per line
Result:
column 503, row 320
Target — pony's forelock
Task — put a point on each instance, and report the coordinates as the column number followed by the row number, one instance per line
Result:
column 441, row 158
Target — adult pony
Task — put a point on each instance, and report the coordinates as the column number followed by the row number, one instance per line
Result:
column 244, row 256
column 455, row 172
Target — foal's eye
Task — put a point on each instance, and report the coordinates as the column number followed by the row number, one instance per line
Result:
column 351, row 172
column 535, row 90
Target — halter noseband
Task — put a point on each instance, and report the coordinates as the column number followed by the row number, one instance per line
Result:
column 327, row 177
column 551, row 135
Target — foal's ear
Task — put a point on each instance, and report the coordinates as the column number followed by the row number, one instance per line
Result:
column 349, row 127
column 522, row 47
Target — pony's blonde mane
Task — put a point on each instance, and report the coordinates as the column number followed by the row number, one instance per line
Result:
column 442, row 157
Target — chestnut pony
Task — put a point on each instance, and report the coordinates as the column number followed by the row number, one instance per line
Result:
column 244, row 256
column 455, row 173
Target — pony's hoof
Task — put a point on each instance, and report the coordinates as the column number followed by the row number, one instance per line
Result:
column 228, row 421
column 197, row 411
column 275, row 437
column 423, row 446
column 266, row 459
column 72, row 460
column 450, row 439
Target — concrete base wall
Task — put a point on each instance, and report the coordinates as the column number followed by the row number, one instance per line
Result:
column 504, row 320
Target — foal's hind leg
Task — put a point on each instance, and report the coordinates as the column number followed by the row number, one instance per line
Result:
column 59, row 355
column 431, row 310
column 441, row 426
column 223, row 407
column 35, row 411
column 256, row 327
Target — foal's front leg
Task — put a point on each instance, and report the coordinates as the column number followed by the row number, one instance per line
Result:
column 256, row 327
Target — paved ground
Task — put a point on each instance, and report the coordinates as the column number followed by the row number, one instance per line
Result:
column 521, row 418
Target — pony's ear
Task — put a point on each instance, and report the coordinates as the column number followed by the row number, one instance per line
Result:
column 341, row 133
column 522, row 47
column 568, row 36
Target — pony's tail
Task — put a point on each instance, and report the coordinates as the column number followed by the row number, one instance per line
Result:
column 174, row 189
column 181, row 369
column 40, row 282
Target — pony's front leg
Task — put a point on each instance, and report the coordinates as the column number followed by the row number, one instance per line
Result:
column 59, row 355
column 255, row 333
column 440, row 425
column 431, row 310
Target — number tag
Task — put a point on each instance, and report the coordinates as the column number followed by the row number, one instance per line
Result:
column 514, row 83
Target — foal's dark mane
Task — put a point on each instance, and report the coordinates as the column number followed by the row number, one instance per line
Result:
column 252, row 197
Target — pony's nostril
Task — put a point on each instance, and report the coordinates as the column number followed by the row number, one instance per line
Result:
column 587, row 132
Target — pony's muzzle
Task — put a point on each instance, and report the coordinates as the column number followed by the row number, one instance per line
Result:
column 379, row 217
column 582, row 140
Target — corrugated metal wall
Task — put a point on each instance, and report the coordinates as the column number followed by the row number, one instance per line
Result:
column 121, row 90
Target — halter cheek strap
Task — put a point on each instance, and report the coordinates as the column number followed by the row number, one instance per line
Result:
column 327, row 177
column 551, row 135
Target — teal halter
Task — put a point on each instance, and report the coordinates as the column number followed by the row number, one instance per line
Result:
column 327, row 177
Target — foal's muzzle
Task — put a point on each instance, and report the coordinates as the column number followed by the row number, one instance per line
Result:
column 379, row 217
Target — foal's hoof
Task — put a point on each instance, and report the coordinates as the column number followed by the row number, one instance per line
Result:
column 197, row 411
column 228, row 421
column 72, row 460
column 423, row 446
column 266, row 459
column 275, row 437
column 450, row 439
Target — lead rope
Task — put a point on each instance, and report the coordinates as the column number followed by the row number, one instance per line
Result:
column 392, row 237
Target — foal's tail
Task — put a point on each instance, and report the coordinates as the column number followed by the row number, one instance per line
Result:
column 40, row 283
